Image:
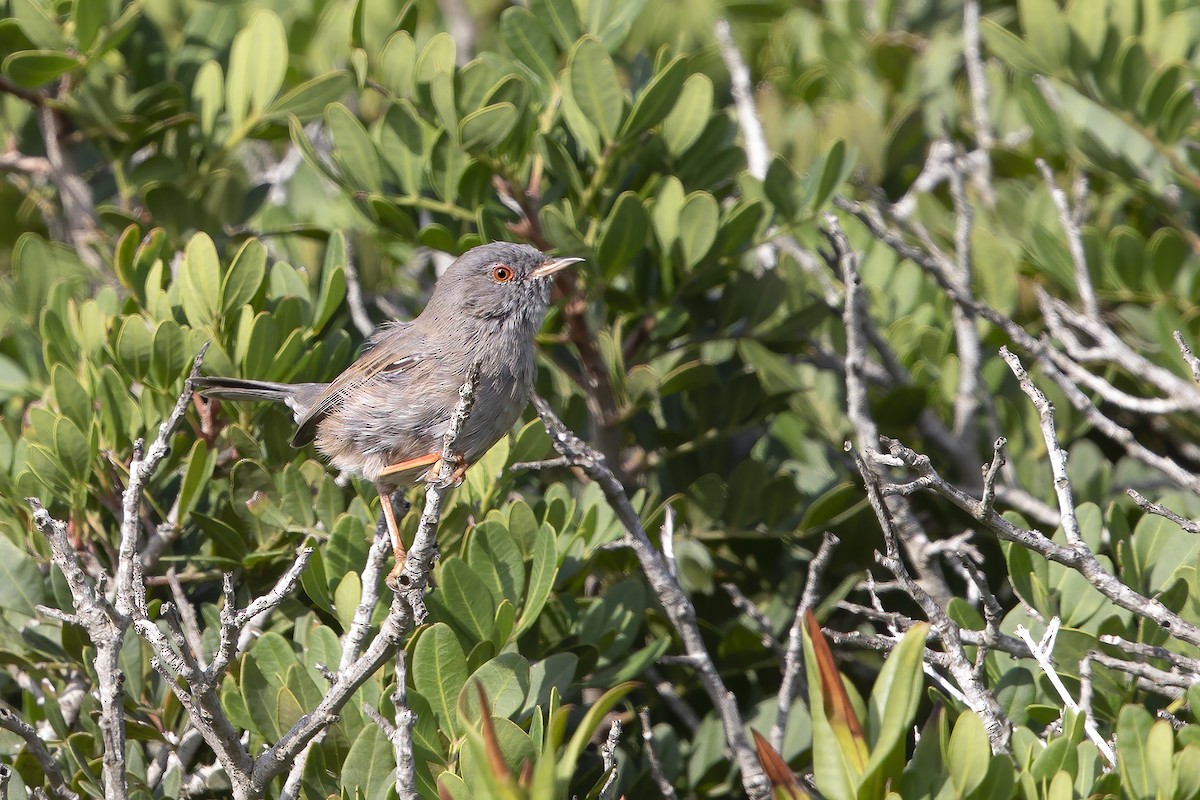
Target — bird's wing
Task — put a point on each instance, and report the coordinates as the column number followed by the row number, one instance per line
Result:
column 394, row 353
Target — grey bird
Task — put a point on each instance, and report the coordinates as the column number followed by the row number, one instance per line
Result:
column 385, row 417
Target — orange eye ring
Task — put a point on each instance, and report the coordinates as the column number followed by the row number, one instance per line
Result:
column 502, row 273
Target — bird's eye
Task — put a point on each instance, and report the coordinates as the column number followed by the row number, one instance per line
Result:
column 502, row 274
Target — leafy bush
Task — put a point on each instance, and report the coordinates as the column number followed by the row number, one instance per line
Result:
column 824, row 243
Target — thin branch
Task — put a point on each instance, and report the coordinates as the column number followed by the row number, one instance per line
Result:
column 1191, row 526
column 608, row 756
column 1041, row 654
column 674, row 601
column 1069, row 219
column 793, row 657
column 856, row 321
column 656, row 766
column 34, row 746
column 402, row 742
column 754, row 140
column 354, row 295
column 760, row 620
column 975, row 692
column 1079, row 557
column 1057, row 456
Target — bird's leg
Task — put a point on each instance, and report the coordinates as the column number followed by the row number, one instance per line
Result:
column 410, row 465
column 389, row 516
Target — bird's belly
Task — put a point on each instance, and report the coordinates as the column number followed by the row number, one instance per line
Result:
column 374, row 431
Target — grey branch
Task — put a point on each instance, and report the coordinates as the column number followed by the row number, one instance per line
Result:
column 33, row 744
column 656, row 766
column 79, row 208
column 402, row 741
column 675, row 603
column 754, row 140
column 141, row 467
column 856, row 320
column 1191, row 526
column 1078, row 557
column 793, row 657
column 975, row 692
column 760, row 620
column 608, row 755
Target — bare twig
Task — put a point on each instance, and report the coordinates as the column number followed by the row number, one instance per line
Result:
column 761, row 623
column 1191, row 526
column 975, row 693
column 674, row 602
column 402, row 742
column 855, row 319
column 656, row 766
column 1041, row 654
column 977, row 82
column 793, row 657
column 1070, row 220
column 1078, row 557
column 608, row 755
column 33, row 745
column 354, row 295
column 79, row 208
column 754, row 140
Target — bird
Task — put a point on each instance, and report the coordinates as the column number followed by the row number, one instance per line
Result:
column 385, row 417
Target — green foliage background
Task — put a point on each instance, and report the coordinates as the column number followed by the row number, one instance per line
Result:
column 721, row 388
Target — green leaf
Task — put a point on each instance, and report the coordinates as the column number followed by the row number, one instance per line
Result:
column 497, row 560
column 465, row 598
column 308, row 100
column 34, row 68
column 439, row 672
column 530, row 42
column 201, row 281
column 370, row 767
column 969, row 753
column 698, row 226
column 437, row 58
column 581, row 127
column 208, row 94
column 657, row 99
column 245, row 276
column 687, row 120
column 134, row 347
column 595, row 87
column 505, row 681
column 543, row 570
column 333, row 292
column 353, row 149
column 259, row 697
column 200, row 465
column 623, row 235
column 1133, row 740
column 1049, row 39
column 89, row 17
column 37, row 24
column 894, row 701
column 486, row 128
column 258, row 61
column 22, row 587
column 346, row 598
column 398, row 64
column 561, row 17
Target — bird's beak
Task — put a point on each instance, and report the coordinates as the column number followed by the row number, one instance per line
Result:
column 551, row 267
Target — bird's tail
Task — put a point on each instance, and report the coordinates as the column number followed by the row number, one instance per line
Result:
column 239, row 389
